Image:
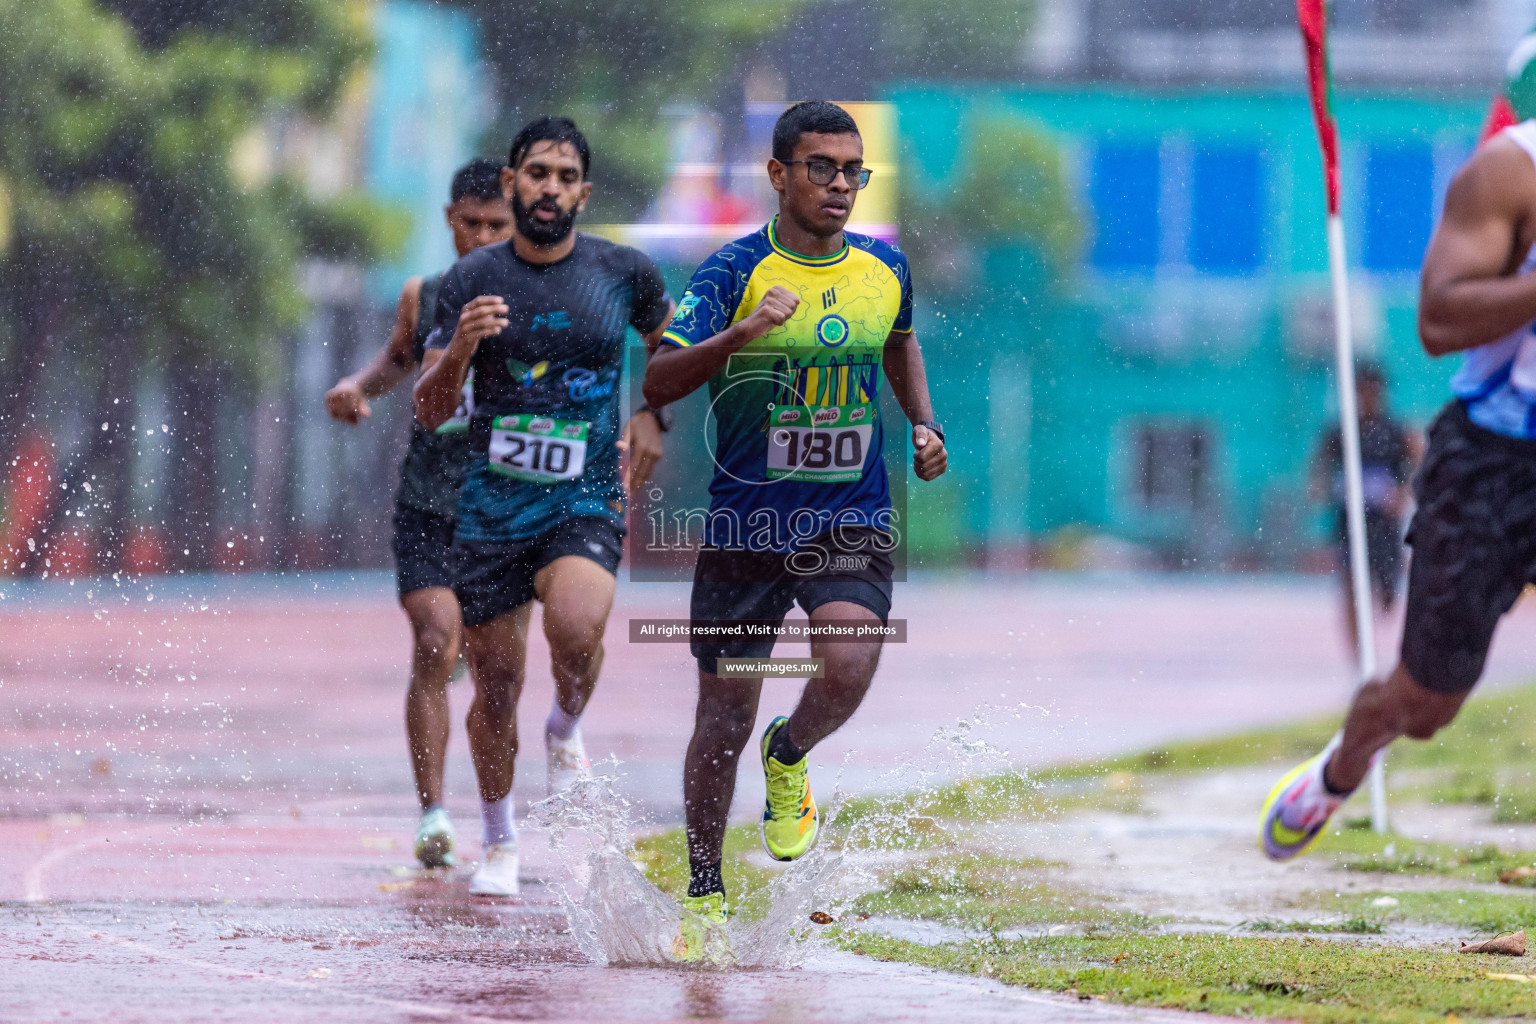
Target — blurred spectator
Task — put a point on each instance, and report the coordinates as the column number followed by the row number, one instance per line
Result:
column 1389, row 452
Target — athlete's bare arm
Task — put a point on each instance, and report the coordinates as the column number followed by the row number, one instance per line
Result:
column 642, row 434
column 653, row 340
column 903, row 365
column 675, row 372
column 348, row 400
column 1470, row 292
column 440, row 387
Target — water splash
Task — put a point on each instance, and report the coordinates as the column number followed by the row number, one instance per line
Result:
column 816, row 881
column 619, row 917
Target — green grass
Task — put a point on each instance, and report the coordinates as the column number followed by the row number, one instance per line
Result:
column 976, row 891
column 941, row 816
column 934, row 817
column 1360, row 850
column 1360, row 924
column 1471, row 911
column 1326, row 981
column 664, row 859
column 1270, row 968
column 1487, row 756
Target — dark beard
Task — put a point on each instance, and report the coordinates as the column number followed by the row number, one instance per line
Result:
column 538, row 232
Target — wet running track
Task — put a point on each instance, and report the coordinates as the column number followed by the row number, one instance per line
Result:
column 205, row 807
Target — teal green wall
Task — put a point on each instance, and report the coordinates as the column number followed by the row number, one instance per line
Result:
column 1051, row 452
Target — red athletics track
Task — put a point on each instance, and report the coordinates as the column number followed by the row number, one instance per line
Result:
column 205, row 805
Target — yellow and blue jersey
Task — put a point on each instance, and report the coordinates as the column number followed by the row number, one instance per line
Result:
column 798, row 438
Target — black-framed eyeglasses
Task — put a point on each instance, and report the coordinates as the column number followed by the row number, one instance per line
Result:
column 824, row 172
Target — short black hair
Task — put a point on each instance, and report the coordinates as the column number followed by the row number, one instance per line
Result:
column 1369, row 371
column 478, row 179
column 812, row 117
column 550, row 129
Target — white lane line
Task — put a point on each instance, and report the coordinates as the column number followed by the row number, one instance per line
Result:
column 32, row 890
column 32, row 887
column 318, row 987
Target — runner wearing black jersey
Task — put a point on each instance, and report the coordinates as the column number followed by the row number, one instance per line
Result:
column 540, row 321
column 427, row 502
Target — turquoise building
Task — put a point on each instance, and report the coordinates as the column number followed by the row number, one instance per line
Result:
column 1164, row 398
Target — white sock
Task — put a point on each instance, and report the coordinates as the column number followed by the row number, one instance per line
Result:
column 497, row 815
column 559, row 724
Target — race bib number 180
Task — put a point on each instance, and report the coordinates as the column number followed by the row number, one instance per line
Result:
column 819, row 444
column 538, row 449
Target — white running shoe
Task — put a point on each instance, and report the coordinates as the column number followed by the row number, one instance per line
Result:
column 497, row 875
column 567, row 761
column 434, row 839
column 1297, row 810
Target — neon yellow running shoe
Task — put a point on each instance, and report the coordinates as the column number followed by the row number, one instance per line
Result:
column 789, row 813
column 1298, row 808
column 701, row 933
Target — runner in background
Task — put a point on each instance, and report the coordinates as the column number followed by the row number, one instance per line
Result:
column 1474, row 531
column 426, row 502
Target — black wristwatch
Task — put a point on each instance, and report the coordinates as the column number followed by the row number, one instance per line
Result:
column 934, row 427
column 663, row 417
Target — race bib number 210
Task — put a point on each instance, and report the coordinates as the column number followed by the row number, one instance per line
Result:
column 538, row 449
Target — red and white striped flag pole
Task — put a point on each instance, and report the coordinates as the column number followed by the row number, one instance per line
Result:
column 1313, row 18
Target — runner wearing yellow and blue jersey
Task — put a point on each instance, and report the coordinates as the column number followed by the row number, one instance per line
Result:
column 791, row 329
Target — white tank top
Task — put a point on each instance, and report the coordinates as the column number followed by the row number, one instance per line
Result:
column 1497, row 381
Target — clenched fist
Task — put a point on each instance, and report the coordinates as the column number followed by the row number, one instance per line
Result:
column 775, row 308
column 480, row 318
column 929, row 457
column 346, row 402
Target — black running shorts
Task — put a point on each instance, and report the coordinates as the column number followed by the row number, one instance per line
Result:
column 730, row 586
column 423, row 544
column 1474, row 548
column 496, row 577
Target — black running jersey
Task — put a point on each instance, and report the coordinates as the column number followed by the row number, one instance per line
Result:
column 434, row 462
column 546, row 418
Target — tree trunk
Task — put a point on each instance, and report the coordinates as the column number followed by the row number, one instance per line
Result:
column 117, row 403
column 275, row 465
column 192, row 492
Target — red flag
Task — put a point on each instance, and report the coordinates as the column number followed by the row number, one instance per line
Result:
column 1314, row 19
column 1500, row 116
column 1312, row 15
